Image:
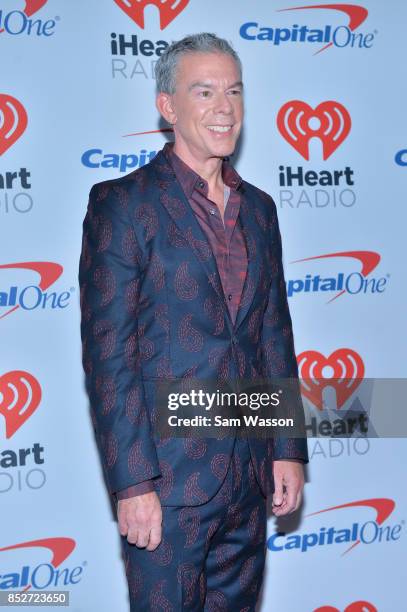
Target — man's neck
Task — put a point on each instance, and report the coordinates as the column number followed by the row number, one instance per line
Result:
column 209, row 169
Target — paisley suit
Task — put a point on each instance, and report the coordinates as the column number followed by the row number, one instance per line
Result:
column 153, row 308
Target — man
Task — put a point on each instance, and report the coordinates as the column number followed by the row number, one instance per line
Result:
column 181, row 276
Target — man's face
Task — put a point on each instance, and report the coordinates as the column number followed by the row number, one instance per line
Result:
column 208, row 105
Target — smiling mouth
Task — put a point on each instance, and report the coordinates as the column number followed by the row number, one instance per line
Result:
column 220, row 129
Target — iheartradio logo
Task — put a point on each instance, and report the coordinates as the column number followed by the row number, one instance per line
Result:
column 343, row 371
column 298, row 122
column 20, row 395
column 168, row 9
column 356, row 606
column 13, row 121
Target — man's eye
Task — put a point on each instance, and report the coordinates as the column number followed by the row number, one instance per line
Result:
column 205, row 93
column 235, row 92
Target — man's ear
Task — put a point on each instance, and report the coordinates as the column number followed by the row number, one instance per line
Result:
column 165, row 106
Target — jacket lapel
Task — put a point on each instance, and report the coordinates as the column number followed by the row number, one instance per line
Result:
column 176, row 203
column 253, row 246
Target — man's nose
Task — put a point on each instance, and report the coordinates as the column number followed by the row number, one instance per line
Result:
column 223, row 104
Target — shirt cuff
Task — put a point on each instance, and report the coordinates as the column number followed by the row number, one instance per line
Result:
column 290, row 459
column 139, row 489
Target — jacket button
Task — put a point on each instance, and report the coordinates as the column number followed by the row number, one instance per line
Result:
column 234, row 340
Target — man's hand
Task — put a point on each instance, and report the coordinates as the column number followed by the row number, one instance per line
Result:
column 140, row 520
column 289, row 483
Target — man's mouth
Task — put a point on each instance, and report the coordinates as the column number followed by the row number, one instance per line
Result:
column 222, row 129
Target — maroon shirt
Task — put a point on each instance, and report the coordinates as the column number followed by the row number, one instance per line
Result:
column 225, row 238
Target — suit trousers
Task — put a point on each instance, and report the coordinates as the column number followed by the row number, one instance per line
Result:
column 211, row 557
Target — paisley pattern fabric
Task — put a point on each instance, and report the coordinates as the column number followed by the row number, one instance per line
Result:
column 153, row 308
column 211, row 556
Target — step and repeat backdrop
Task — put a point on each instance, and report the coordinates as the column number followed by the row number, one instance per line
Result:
column 325, row 134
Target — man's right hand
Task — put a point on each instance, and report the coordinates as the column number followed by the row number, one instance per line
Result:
column 140, row 519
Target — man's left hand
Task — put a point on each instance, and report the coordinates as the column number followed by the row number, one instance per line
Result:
column 289, row 483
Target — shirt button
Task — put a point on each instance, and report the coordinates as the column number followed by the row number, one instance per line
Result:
column 229, row 297
column 212, row 211
column 201, row 184
column 234, row 340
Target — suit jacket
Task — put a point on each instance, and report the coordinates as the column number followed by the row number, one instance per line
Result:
column 153, row 308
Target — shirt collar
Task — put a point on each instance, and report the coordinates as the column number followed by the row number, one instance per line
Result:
column 191, row 180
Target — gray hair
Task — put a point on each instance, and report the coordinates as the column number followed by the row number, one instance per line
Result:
column 166, row 65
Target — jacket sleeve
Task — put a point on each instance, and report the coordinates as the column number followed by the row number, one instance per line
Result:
column 109, row 278
column 277, row 348
column 135, row 490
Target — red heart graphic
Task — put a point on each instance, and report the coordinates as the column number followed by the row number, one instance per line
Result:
column 356, row 606
column 20, row 395
column 293, row 122
column 13, row 121
column 168, row 10
column 348, row 370
column 361, row 606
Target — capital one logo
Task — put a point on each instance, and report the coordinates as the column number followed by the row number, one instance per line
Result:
column 356, row 606
column 33, row 296
column 357, row 282
column 97, row 158
column 298, row 122
column 20, row 395
column 373, row 531
column 168, row 9
column 343, row 371
column 18, row 21
column 13, row 121
column 41, row 575
column 401, row 158
column 31, row 7
column 345, row 35
column 356, row 15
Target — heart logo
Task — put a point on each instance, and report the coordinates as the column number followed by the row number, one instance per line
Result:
column 168, row 9
column 330, row 120
column 20, row 395
column 356, row 606
column 13, row 121
column 343, row 370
